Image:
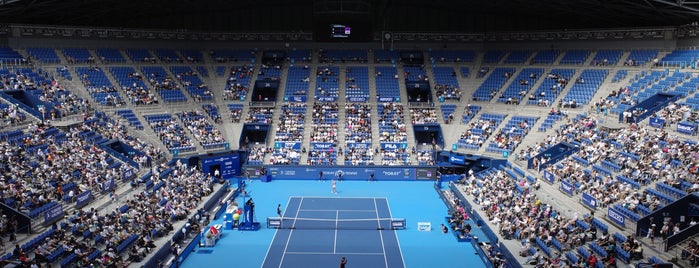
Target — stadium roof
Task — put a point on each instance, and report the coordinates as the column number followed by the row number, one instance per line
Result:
column 396, row 15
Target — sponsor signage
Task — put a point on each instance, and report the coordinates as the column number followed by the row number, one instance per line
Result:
column 391, row 146
column 129, row 174
column 356, row 99
column 288, row 145
column 656, row 122
column 108, row 185
column 566, row 187
column 548, row 176
column 589, row 201
column 326, row 99
column 297, row 99
column 358, row 145
column 321, row 146
column 83, row 198
column 457, row 159
column 53, row 214
column 616, row 217
column 350, row 173
column 686, row 128
column 388, row 99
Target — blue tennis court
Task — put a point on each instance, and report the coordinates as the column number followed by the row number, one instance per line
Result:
column 313, row 246
column 321, row 230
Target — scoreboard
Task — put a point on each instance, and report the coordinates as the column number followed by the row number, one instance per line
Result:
column 228, row 164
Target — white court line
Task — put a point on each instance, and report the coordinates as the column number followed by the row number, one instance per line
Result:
column 346, row 197
column 275, row 234
column 383, row 246
column 395, row 232
column 332, row 253
column 291, row 232
column 337, row 216
column 343, row 210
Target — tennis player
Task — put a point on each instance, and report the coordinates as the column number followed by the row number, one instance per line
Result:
column 343, row 262
column 334, row 187
column 279, row 210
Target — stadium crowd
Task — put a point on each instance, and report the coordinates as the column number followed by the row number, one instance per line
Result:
column 137, row 91
column 41, row 165
column 125, row 235
column 170, row 133
column 325, row 125
column 118, row 130
column 642, row 154
column 518, row 213
column 200, row 127
column 478, row 132
column 419, row 116
column 236, row 87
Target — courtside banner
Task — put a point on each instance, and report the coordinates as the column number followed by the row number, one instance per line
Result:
column 616, row 217
column 686, row 128
column 83, row 198
column 566, row 187
column 548, row 176
column 325, row 99
column 297, row 99
column 348, row 173
column 656, row 122
column 53, row 214
column 589, row 201
column 322, row 146
column 288, row 145
column 388, row 99
column 108, row 185
column 356, row 99
column 129, row 173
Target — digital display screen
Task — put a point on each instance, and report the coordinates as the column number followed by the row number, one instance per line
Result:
column 340, row 31
column 339, row 28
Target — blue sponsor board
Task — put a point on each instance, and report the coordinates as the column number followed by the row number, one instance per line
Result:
column 457, row 159
column 53, row 214
column 326, row 99
column 548, row 176
column 129, row 174
column 391, row 146
column 108, row 185
column 616, row 217
column 288, row 145
column 356, row 99
column 686, row 128
column 321, row 146
column 297, row 98
column 83, row 198
column 358, row 145
column 567, row 187
column 388, row 99
column 656, row 122
column 348, row 173
column 589, row 201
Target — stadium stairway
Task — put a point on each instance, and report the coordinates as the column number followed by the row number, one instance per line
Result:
column 589, row 59
column 624, row 57
column 506, row 84
column 217, row 84
column 410, row 131
column 535, row 86
column 341, row 115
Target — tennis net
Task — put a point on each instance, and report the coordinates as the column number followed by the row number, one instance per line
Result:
column 336, row 224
